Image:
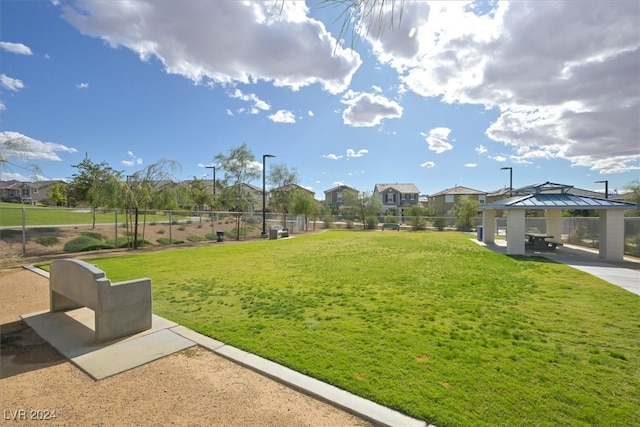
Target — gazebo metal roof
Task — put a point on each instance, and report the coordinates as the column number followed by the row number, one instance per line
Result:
column 556, row 201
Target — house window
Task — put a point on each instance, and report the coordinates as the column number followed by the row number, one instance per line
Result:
column 482, row 198
column 448, row 198
column 391, row 198
column 339, row 196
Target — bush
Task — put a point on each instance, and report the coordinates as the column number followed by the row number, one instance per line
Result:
column 196, row 239
column 349, row 224
column 93, row 235
column 167, row 241
column 371, row 222
column 47, row 241
column 390, row 218
column 439, row 223
column 85, row 243
column 160, row 231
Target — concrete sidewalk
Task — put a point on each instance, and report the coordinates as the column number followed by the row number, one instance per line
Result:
column 625, row 273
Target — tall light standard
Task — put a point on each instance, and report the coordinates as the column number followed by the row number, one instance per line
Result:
column 606, row 188
column 510, row 179
column 214, row 198
column 264, row 195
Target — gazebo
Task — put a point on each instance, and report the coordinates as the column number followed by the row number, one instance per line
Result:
column 553, row 199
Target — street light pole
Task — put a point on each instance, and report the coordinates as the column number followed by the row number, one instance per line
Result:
column 213, row 200
column 264, row 195
column 606, row 188
column 510, row 179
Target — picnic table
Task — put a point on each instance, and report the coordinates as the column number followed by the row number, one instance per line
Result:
column 539, row 241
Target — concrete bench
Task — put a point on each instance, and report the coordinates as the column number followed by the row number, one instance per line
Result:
column 121, row 309
column 391, row 226
column 277, row 231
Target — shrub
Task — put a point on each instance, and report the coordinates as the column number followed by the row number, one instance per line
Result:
column 85, row 243
column 181, row 228
column 196, row 238
column 167, row 241
column 47, row 241
column 439, row 223
column 371, row 222
column 93, row 235
column 390, row 218
column 160, row 231
column 349, row 224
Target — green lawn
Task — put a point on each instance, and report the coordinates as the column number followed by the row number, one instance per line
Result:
column 11, row 216
column 430, row 324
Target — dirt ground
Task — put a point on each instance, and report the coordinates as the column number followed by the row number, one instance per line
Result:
column 192, row 388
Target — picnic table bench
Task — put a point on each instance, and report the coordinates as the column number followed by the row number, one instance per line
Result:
column 541, row 241
column 277, row 231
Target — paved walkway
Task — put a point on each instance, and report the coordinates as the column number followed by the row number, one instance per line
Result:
column 625, row 273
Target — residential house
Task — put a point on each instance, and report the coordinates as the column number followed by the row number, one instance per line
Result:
column 285, row 194
column 31, row 193
column 334, row 197
column 443, row 201
column 397, row 196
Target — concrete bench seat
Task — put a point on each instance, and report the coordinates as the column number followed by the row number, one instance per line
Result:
column 277, row 231
column 391, row 226
column 121, row 309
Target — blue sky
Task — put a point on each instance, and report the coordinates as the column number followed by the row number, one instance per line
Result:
column 448, row 96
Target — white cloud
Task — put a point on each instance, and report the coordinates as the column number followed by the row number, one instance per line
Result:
column 481, row 149
column 82, row 85
column 10, row 83
column 18, row 146
column 368, row 110
column 258, row 104
column 437, row 139
column 470, row 165
column 283, row 116
column 331, row 156
column 428, row 165
column 563, row 75
column 132, row 160
column 352, row 153
column 223, row 42
column 310, row 113
column 17, row 48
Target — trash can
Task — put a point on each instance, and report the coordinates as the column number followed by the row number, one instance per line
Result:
column 273, row 233
column 480, row 230
column 220, row 235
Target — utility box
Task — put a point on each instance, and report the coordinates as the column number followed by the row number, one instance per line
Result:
column 273, row 233
column 480, row 230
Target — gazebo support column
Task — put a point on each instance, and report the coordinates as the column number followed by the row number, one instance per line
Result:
column 515, row 232
column 489, row 226
column 554, row 224
column 611, row 245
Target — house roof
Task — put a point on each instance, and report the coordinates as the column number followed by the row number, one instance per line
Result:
column 459, row 190
column 401, row 188
column 339, row 187
column 556, row 201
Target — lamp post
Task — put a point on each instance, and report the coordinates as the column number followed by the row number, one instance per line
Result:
column 606, row 188
column 510, row 179
column 213, row 200
column 264, row 195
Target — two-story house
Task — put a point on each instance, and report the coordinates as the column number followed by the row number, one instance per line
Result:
column 397, row 196
column 26, row 192
column 443, row 201
column 334, row 197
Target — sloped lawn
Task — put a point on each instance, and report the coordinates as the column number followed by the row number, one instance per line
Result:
column 430, row 323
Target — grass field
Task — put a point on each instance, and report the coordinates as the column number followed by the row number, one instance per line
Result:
column 430, row 324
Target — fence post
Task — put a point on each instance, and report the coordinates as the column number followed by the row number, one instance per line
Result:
column 170, row 224
column 24, row 231
column 116, row 224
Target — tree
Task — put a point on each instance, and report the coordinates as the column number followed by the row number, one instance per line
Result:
column 465, row 211
column 58, row 193
column 364, row 206
column 417, row 217
column 304, row 204
column 284, row 183
column 200, row 194
column 93, row 185
column 633, row 196
column 13, row 144
column 240, row 168
column 148, row 186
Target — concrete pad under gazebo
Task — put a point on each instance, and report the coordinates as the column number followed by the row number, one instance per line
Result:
column 553, row 199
